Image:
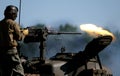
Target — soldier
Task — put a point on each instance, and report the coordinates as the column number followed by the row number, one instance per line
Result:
column 10, row 33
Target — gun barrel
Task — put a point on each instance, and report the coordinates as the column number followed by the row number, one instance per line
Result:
column 58, row 33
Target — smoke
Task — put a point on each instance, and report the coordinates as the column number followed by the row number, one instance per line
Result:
column 30, row 49
column 71, row 43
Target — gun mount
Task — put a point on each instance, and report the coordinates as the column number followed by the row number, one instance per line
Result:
column 82, row 63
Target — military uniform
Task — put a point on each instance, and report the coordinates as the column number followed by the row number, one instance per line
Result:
column 10, row 63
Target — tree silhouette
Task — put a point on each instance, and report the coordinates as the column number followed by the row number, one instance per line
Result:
column 67, row 28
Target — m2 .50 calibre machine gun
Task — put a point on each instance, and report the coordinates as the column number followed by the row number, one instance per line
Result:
column 83, row 63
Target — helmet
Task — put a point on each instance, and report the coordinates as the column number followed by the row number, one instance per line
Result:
column 10, row 10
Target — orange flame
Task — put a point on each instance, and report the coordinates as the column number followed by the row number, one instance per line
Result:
column 95, row 31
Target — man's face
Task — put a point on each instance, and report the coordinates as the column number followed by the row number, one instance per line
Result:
column 11, row 13
column 13, row 16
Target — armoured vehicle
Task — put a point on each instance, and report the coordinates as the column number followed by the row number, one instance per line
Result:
column 83, row 63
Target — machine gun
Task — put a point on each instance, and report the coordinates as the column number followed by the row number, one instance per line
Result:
column 40, row 35
column 37, row 35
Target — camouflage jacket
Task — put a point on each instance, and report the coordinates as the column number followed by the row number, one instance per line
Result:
column 9, row 33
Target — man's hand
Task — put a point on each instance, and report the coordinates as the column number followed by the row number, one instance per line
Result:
column 25, row 32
